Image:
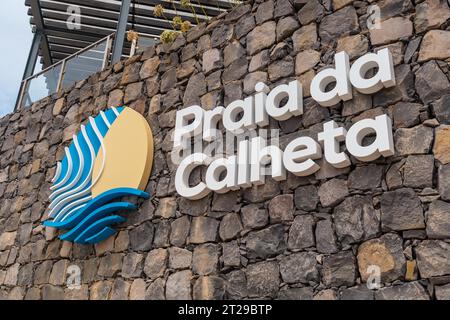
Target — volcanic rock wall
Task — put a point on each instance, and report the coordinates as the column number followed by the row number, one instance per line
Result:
column 317, row 237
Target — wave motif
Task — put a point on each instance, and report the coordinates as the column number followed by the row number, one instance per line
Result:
column 71, row 201
column 91, row 223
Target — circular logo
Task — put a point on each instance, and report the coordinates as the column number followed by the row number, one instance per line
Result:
column 111, row 157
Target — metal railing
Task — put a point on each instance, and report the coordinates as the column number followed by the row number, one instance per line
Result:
column 66, row 72
column 76, row 67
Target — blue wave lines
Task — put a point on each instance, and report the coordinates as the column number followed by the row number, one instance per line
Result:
column 91, row 223
column 73, row 179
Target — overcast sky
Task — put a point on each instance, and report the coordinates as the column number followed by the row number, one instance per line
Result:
column 15, row 41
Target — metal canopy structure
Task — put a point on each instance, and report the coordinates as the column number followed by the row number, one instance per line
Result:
column 100, row 18
column 76, row 38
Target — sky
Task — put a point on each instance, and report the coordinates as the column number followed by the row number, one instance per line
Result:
column 15, row 42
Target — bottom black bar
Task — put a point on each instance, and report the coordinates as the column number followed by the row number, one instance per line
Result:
column 258, row 309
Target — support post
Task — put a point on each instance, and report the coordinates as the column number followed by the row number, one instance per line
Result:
column 40, row 27
column 32, row 55
column 29, row 67
column 121, row 31
column 62, row 72
column 107, row 51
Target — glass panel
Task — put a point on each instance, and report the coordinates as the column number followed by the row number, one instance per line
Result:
column 41, row 86
column 144, row 42
column 84, row 64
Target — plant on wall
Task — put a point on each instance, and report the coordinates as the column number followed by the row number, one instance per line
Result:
column 177, row 23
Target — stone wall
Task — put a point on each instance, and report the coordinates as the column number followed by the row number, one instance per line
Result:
column 303, row 238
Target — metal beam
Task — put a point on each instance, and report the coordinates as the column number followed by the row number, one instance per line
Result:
column 74, row 43
column 144, row 8
column 36, row 10
column 32, row 55
column 78, row 44
column 120, row 31
column 57, row 12
column 75, row 35
column 29, row 67
column 93, row 25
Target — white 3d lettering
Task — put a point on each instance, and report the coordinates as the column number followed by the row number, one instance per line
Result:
column 244, row 168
